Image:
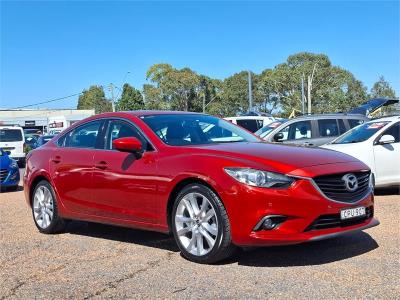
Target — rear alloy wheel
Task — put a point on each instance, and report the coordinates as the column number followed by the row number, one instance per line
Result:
column 200, row 225
column 44, row 209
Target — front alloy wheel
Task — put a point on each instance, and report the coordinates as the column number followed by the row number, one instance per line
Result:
column 200, row 225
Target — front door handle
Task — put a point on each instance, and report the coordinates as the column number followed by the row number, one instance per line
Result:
column 56, row 159
column 102, row 165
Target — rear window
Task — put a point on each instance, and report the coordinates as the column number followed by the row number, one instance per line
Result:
column 10, row 135
column 251, row 125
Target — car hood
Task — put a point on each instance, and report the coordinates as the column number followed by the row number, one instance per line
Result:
column 372, row 105
column 284, row 158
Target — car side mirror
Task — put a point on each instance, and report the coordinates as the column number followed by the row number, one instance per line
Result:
column 386, row 139
column 278, row 137
column 8, row 152
column 127, row 144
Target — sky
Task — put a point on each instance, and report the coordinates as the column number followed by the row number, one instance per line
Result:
column 52, row 49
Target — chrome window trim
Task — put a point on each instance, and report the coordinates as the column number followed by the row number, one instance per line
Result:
column 68, row 130
column 359, row 199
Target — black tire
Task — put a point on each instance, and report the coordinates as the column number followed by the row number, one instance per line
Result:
column 57, row 224
column 223, row 247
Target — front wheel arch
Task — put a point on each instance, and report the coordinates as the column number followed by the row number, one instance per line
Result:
column 177, row 189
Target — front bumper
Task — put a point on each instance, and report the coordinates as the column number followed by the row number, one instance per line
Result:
column 11, row 179
column 302, row 205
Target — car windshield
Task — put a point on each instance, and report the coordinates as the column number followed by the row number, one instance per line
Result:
column 196, row 129
column 262, row 132
column 10, row 135
column 360, row 133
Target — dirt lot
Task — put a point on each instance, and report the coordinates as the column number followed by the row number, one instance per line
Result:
column 98, row 261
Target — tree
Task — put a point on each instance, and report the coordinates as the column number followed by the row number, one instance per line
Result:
column 94, row 98
column 235, row 94
column 131, row 99
column 333, row 88
column 171, row 88
column 382, row 89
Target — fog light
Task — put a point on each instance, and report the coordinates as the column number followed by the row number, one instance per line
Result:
column 268, row 224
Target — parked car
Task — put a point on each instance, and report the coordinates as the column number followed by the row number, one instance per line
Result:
column 31, row 139
column 314, row 130
column 160, row 171
column 43, row 139
column 9, row 171
column 377, row 144
column 12, row 139
column 251, row 123
column 263, row 132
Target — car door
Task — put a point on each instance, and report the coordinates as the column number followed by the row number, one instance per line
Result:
column 299, row 132
column 125, row 184
column 71, row 166
column 387, row 157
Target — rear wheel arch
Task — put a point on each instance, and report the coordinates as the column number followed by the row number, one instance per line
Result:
column 33, row 185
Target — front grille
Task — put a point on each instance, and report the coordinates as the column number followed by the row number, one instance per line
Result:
column 3, row 174
column 334, row 221
column 333, row 186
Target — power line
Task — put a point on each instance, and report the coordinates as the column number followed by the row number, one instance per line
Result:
column 48, row 101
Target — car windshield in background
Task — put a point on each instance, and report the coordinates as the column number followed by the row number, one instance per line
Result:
column 262, row 132
column 360, row 133
column 10, row 135
column 195, row 129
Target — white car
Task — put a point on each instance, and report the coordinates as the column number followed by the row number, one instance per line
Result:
column 251, row 123
column 12, row 140
column 377, row 144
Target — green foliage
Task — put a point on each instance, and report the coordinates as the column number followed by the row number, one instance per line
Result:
column 94, row 98
column 131, row 99
column 333, row 89
column 276, row 90
column 382, row 89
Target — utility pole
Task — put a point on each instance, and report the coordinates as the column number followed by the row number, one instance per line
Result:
column 111, row 86
column 309, row 88
column 250, row 92
column 204, row 102
column 302, row 95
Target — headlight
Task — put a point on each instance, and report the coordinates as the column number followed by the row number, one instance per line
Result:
column 13, row 164
column 260, row 178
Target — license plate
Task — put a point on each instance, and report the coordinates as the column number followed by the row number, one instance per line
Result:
column 352, row 213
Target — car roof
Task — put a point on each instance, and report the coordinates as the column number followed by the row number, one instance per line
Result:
column 249, row 118
column 329, row 116
column 140, row 113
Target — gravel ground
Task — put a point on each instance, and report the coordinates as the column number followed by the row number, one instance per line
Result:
column 99, row 261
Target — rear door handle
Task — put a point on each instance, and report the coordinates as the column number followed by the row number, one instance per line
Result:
column 102, row 165
column 56, row 159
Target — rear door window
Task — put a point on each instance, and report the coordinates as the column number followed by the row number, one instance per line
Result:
column 328, row 127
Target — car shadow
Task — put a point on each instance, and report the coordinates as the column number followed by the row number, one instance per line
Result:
column 313, row 253
column 11, row 190
column 387, row 191
column 122, row 234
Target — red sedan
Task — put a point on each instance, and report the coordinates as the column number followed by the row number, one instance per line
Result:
column 212, row 184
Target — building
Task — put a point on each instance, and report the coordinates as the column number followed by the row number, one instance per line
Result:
column 43, row 119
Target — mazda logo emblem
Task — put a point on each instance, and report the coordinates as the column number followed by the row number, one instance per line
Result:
column 350, row 182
